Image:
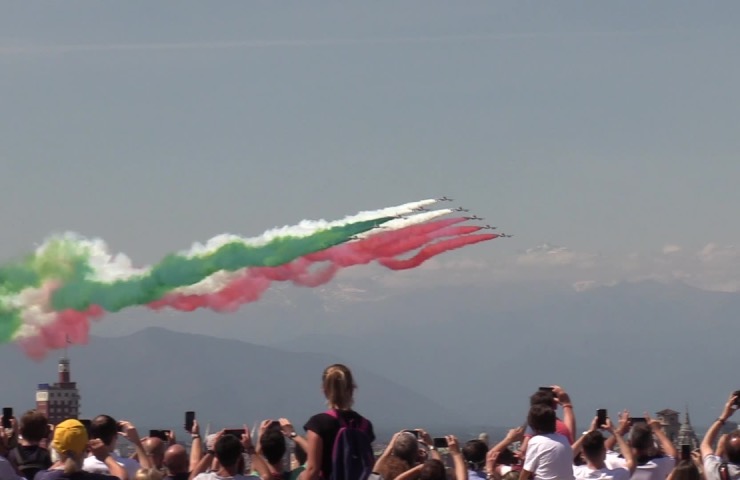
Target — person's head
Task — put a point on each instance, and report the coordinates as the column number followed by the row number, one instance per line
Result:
column 154, row 448
column 541, row 418
column 339, row 386
column 406, row 447
column 273, row 445
column 474, row 452
column 105, row 428
column 228, row 451
column 641, row 438
column 300, row 455
column 69, row 444
column 392, row 467
column 176, row 460
column 148, row 474
column 433, row 470
column 686, row 470
column 593, row 446
column 34, row 426
column 732, row 447
column 543, row 397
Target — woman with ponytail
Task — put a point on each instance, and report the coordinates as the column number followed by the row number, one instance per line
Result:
column 322, row 429
column 68, row 452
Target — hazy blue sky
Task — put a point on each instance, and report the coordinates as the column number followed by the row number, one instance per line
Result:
column 608, row 128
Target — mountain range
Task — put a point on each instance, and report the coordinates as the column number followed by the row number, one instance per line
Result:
column 460, row 355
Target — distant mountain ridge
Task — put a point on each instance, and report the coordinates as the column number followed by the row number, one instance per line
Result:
column 155, row 375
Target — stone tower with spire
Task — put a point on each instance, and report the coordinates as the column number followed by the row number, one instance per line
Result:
column 686, row 434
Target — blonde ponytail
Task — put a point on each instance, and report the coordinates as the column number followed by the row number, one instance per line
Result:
column 339, row 386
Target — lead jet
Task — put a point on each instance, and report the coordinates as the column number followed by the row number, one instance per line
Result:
column 488, row 227
column 474, row 217
column 445, row 199
column 460, row 209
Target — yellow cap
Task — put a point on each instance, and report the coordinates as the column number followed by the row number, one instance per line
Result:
column 70, row 436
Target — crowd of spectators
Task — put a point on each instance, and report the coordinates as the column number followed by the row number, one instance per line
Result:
column 334, row 445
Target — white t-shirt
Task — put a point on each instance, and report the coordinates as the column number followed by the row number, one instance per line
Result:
column 213, row 476
column 711, row 468
column 93, row 465
column 656, row 469
column 582, row 472
column 549, row 457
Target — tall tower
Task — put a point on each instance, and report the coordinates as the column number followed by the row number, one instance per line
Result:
column 61, row 400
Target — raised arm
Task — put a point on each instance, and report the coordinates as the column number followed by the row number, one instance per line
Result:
column 577, row 445
column 711, row 435
column 259, row 464
column 196, row 449
column 623, row 427
column 665, row 443
column 461, row 470
column 629, row 458
column 569, row 418
column 206, row 460
column 426, row 438
column 289, row 431
column 128, row 431
column 101, row 452
column 383, row 458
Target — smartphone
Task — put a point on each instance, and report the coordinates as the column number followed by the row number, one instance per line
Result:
column 736, row 393
column 634, row 420
column 119, row 427
column 161, row 434
column 7, row 415
column 600, row 417
column 189, row 420
column 548, row 389
column 685, row 452
column 237, row 432
column 440, row 442
column 413, row 432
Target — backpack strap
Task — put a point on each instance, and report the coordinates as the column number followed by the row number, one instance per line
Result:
column 724, row 471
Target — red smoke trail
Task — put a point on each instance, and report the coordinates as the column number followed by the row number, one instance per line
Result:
column 435, row 249
column 250, row 286
column 373, row 242
column 69, row 327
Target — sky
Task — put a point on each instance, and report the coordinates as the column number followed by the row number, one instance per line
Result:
column 588, row 130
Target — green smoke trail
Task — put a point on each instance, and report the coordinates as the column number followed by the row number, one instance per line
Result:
column 62, row 259
column 79, row 293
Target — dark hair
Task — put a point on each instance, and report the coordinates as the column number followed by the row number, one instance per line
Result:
column 541, row 418
column 474, row 452
column 593, row 445
column 732, row 446
column 641, row 437
column 686, row 470
column 506, row 457
column 300, row 454
column 406, row 447
column 273, row 445
column 105, row 428
column 34, row 426
column 543, row 397
column 228, row 450
column 433, row 470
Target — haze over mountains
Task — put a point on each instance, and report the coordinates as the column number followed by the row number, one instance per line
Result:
column 467, row 355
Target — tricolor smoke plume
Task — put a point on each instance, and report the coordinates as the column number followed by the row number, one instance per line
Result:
column 50, row 297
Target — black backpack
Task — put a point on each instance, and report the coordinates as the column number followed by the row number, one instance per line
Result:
column 36, row 461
